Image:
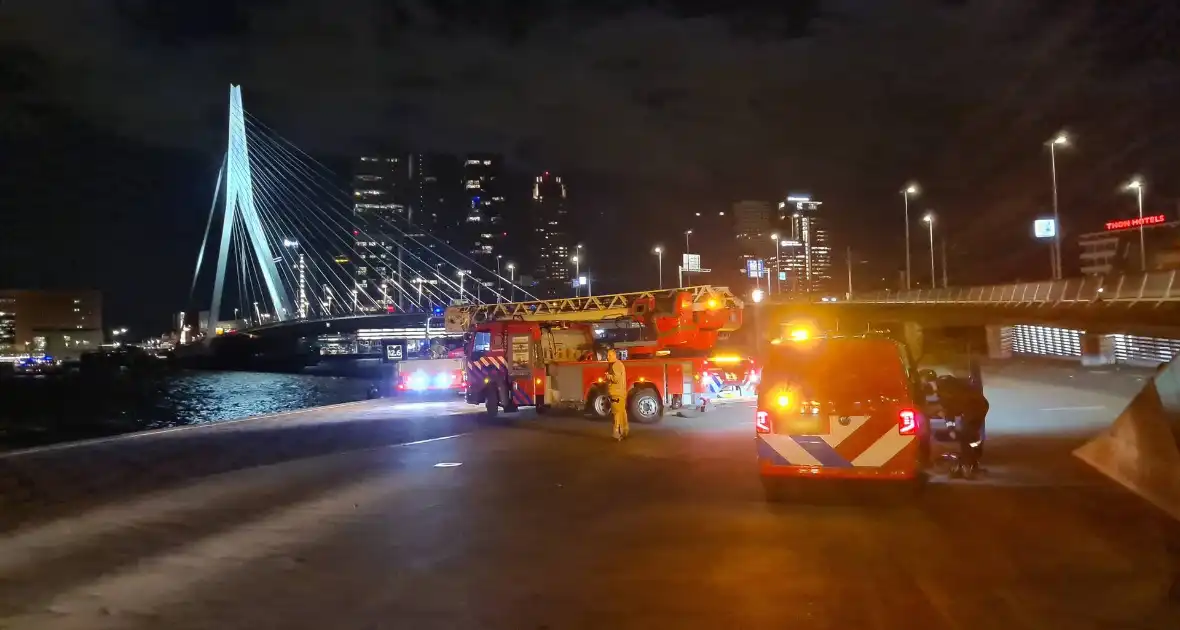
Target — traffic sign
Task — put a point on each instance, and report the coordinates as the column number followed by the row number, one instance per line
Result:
column 691, row 262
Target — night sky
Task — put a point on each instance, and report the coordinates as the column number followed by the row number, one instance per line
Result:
column 113, row 117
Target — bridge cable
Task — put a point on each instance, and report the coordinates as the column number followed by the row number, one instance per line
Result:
column 460, row 254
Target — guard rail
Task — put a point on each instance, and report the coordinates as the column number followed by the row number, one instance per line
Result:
column 1152, row 287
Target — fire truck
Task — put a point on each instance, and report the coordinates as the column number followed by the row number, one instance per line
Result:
column 551, row 353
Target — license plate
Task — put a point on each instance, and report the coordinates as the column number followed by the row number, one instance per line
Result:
column 808, row 425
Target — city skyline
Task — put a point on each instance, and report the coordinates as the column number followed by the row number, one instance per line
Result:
column 126, row 176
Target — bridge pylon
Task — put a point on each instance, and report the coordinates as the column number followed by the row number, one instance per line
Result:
column 239, row 204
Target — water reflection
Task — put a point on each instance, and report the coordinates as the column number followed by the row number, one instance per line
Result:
column 43, row 411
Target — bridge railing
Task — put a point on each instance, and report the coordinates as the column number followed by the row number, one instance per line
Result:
column 1156, row 286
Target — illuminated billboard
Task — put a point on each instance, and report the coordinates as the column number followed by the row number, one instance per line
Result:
column 1122, row 224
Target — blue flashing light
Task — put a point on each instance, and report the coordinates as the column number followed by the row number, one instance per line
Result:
column 438, row 310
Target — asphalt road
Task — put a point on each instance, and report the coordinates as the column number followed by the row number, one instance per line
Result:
column 388, row 515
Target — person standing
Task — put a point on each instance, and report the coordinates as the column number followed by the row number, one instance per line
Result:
column 616, row 389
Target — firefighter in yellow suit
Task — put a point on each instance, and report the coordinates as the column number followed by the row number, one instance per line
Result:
column 616, row 388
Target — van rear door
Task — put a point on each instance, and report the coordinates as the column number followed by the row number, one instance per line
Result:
column 840, row 403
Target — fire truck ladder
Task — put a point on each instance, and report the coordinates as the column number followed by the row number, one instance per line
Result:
column 460, row 318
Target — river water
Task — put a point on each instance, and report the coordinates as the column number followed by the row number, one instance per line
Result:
column 36, row 412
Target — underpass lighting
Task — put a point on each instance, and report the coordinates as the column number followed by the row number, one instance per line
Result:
column 757, row 295
column 448, row 464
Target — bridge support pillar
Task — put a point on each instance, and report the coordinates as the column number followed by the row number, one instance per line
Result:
column 1097, row 349
column 999, row 342
column 913, row 335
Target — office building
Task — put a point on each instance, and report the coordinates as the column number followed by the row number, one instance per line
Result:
column 1115, row 249
column 62, row 324
column 486, row 228
column 484, row 197
column 380, row 186
column 412, row 207
column 552, row 238
column 752, row 223
column 803, row 263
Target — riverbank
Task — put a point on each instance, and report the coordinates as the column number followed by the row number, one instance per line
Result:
column 46, row 410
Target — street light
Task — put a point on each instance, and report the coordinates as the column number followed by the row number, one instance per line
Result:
column 929, row 219
column 659, row 252
column 778, row 262
column 512, row 280
column 1061, row 140
column 911, row 189
column 577, row 260
column 687, row 250
column 1136, row 184
column 461, row 274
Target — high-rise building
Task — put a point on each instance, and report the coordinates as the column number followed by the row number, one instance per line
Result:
column 486, row 229
column 551, row 232
column 380, row 186
column 753, row 225
column 58, row 323
column 805, row 254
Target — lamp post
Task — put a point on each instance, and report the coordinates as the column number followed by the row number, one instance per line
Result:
column 512, row 281
column 929, row 219
column 461, row 274
column 778, row 262
column 910, row 189
column 687, row 250
column 757, row 296
column 384, row 295
column 1136, row 184
column 659, row 252
column 1061, row 140
column 577, row 275
column 327, row 301
column 356, row 300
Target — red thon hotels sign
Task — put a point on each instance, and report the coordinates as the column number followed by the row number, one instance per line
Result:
column 1123, row 224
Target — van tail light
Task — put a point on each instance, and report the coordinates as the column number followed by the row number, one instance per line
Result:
column 762, row 423
column 907, row 422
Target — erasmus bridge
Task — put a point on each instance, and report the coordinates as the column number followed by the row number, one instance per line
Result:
column 289, row 253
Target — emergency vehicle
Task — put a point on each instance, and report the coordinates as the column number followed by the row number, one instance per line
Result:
column 550, row 353
column 429, row 359
column 731, row 375
column 839, row 407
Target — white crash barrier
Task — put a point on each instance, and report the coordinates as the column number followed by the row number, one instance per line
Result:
column 1141, row 450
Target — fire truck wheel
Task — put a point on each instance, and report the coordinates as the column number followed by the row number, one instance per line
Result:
column 491, row 402
column 598, row 404
column 644, row 406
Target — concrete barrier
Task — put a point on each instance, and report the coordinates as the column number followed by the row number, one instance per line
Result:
column 1141, row 450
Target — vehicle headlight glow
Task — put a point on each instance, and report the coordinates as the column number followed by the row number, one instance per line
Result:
column 419, row 381
column 442, row 380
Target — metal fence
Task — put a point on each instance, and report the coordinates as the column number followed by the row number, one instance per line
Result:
column 1157, row 286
